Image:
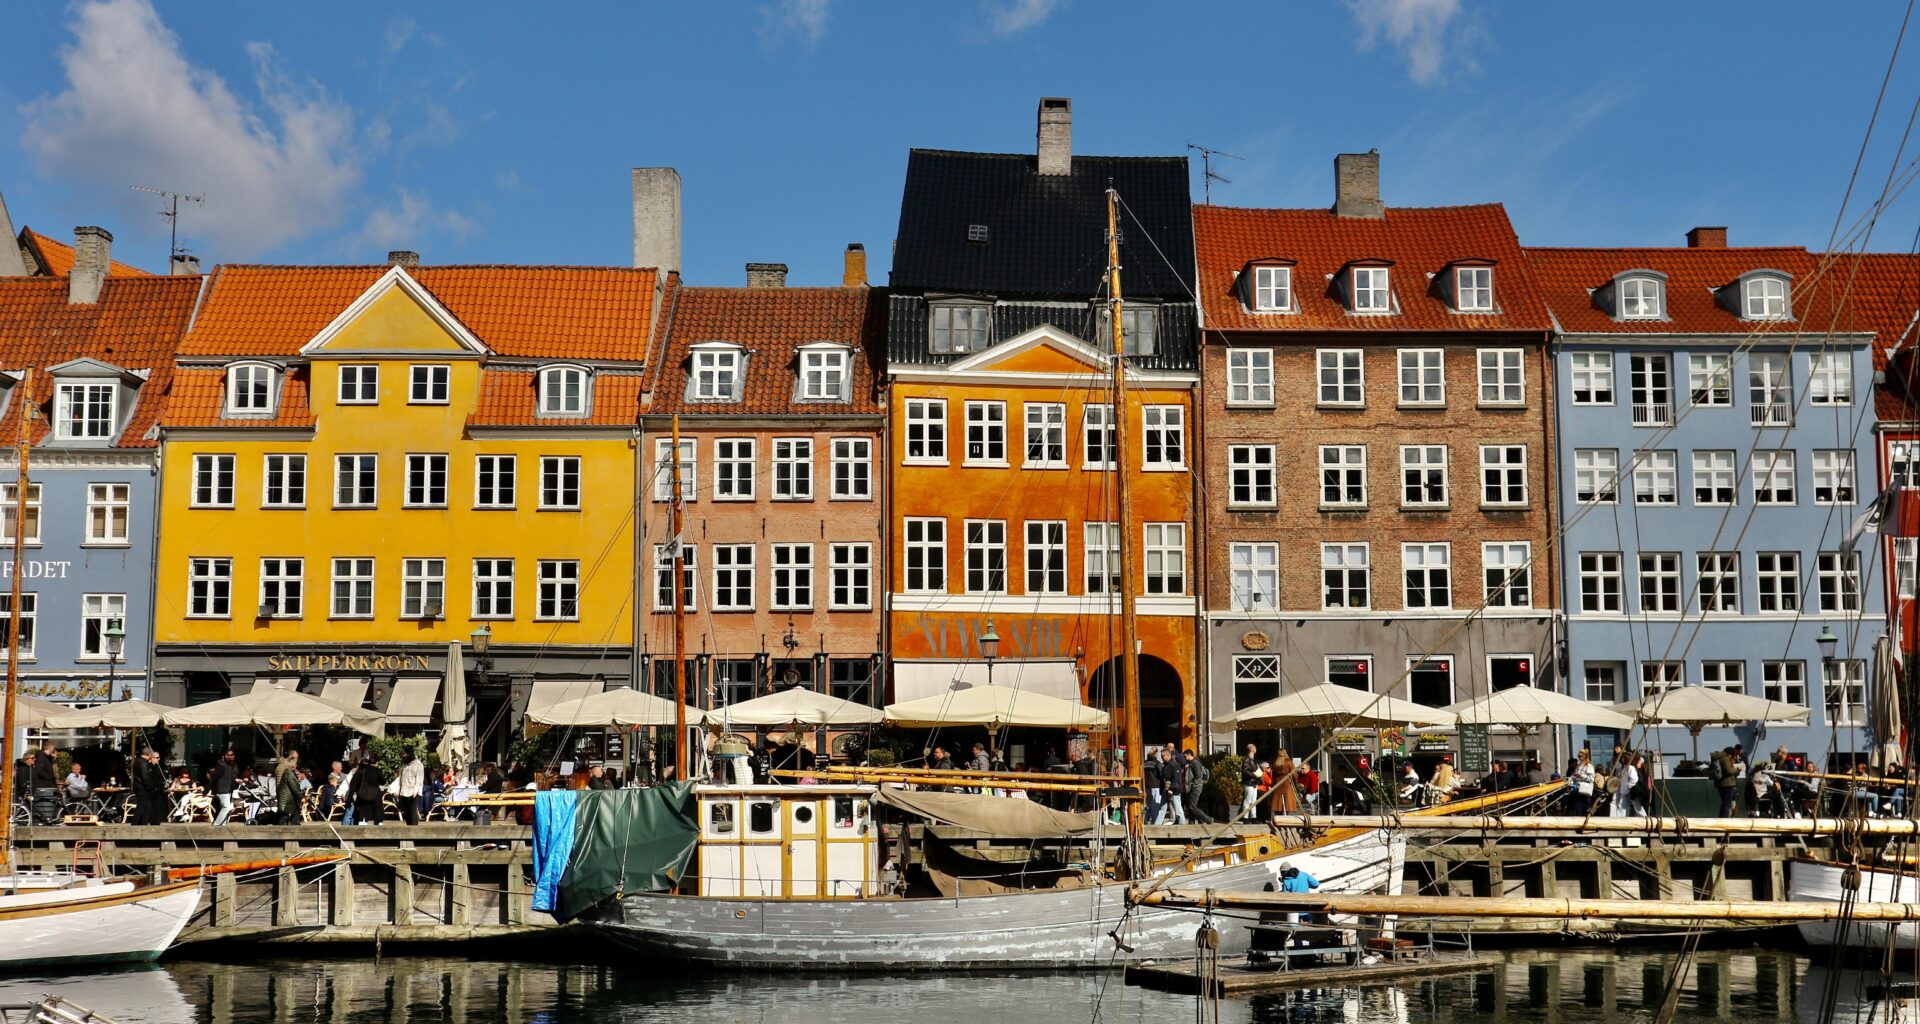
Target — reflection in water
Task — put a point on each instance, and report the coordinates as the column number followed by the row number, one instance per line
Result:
column 1550, row 986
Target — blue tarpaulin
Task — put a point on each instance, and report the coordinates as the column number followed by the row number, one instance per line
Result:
column 553, row 821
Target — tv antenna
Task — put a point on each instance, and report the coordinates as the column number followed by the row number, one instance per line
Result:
column 1207, row 175
column 172, row 214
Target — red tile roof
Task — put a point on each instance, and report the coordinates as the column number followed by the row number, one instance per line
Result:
column 1419, row 241
column 56, row 258
column 1568, row 278
column 586, row 313
column 1883, row 295
column 199, row 400
column 507, row 399
column 772, row 323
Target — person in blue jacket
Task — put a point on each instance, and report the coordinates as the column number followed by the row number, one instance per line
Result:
column 1292, row 879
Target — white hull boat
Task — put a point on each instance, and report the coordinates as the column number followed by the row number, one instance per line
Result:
column 1821, row 882
column 99, row 921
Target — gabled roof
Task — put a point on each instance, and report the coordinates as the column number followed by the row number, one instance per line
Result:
column 1884, row 297
column 1569, row 277
column 586, row 313
column 1046, row 234
column 55, row 258
column 1418, row 241
column 772, row 324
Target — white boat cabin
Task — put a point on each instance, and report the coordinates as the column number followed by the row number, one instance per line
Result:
column 787, row 842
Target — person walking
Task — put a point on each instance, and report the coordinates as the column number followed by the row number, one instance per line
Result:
column 1197, row 777
column 46, row 787
column 149, row 789
column 1153, row 788
column 1286, row 784
column 408, row 783
column 286, row 781
column 1249, row 784
column 1173, row 778
column 1726, row 778
column 369, row 785
column 1582, row 779
column 220, row 782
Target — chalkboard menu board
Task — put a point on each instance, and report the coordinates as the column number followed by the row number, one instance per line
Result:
column 1474, row 755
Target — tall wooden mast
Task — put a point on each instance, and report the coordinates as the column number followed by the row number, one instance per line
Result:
column 675, row 584
column 1129, row 659
column 24, row 399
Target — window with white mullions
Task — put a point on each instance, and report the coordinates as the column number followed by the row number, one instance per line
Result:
column 1428, row 571
column 1371, row 293
column 102, row 612
column 792, row 577
column 852, row 468
column 1506, row 566
column 359, row 384
column 1592, row 377
column 732, row 577
column 1503, row 474
column 1769, row 390
column 356, row 481
column 29, row 624
column 1660, row 676
column 1845, row 683
column 1256, row 679
column 926, row 432
column 352, row 588
column 1249, row 376
column 1342, row 377
column 560, row 482
column 663, row 469
column 734, row 467
column 1709, row 380
column 1423, row 376
column 1046, row 554
column 663, row 596
column 1714, row 478
column 1719, row 587
column 1097, row 437
column 428, row 385
column 1600, row 581
column 85, row 411
column 716, row 375
column 986, row 552
column 925, row 543
column 1777, row 581
column 1773, row 477
column 1423, row 475
column 250, row 389
column 1473, row 289
column 1164, row 438
column 1343, row 475
column 1596, row 475
column 1656, row 478
column 1250, row 475
column 792, row 469
column 1906, row 566
column 1046, row 435
column 1602, row 683
column 212, row 483
column 493, row 481
column 1641, row 298
column 1102, row 557
column 1345, row 577
column 559, row 590
column 1784, row 682
column 1256, row 576
column 1503, row 378
column 209, row 588
column 1765, row 298
column 1272, row 289
column 1725, row 676
column 109, row 509
column 1650, row 380
column 426, row 481
column 1838, row 576
column 823, row 375
column 1833, row 477
column 493, row 588
column 1660, row 582
column 1166, row 563
column 563, row 391
column 1830, row 379
column 282, row 586
column 423, row 588
column 986, row 433
column 851, row 566
column 285, row 481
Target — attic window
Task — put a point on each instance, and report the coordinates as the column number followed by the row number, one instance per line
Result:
column 1473, row 289
column 1370, row 291
column 977, row 233
column 1640, row 298
column 716, row 373
column 1272, row 289
column 1764, row 297
column 564, row 391
column 1139, row 329
column 250, row 389
column 84, row 410
column 823, row 373
column 961, row 326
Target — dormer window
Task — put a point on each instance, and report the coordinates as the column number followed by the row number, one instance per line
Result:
column 84, row 410
column 1473, row 289
column 1763, row 297
column 824, row 373
column 1139, row 329
column 1640, row 297
column 1370, row 293
column 1272, row 289
column 717, row 372
column 250, row 389
column 563, row 391
column 961, row 326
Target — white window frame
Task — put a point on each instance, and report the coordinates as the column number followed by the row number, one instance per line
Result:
column 1725, row 676
column 209, row 588
column 1498, row 488
column 1163, row 438
column 109, row 515
column 1717, row 582
column 1045, row 556
column 1371, row 289
column 792, row 578
column 1837, row 574
column 1503, row 376
column 1473, row 289
column 1251, row 476
column 689, row 459
column 1775, row 476
column 427, row 483
column 1764, row 297
column 1659, row 676
column 1348, row 465
column 852, row 466
column 29, row 623
column 1601, row 682
column 926, row 417
column 9, row 497
column 1597, row 570
column 560, row 483
column 1272, row 289
column 283, row 480
column 247, row 382
column 1721, row 474
column 985, row 554
column 1423, row 377
column 1431, row 561
column 423, row 588
column 1662, row 588
column 793, row 469
column 1650, row 389
column 1906, row 567
column 357, row 576
column 359, row 384
column 1166, row 559
column 1255, row 569
column 1782, row 681
column 1770, row 389
column 1776, row 577
column 1591, row 376
column 214, row 475
column 1046, row 431
column 1333, row 366
column 350, row 476
column 826, row 373
column 493, row 590
column 556, row 579
column 1656, row 478
column 1506, row 569
column 736, row 462
column 1846, row 680
column 1096, row 436
column 923, row 555
column 1423, row 470
column 850, row 566
column 496, row 481
column 959, row 327
column 1641, row 298
column 566, row 392
column 1829, row 379
column 986, row 438
column 1101, row 551
column 716, row 373
column 99, row 613
column 689, row 577
column 1346, row 567
column 1833, row 473
column 1709, row 380
column 429, row 384
column 1596, row 476
column 95, row 423
column 1249, row 377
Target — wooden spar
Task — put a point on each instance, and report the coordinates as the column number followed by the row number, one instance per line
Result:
column 206, row 870
column 25, row 401
column 947, row 773
column 677, row 584
column 1871, row 780
column 1129, row 659
column 955, row 779
column 1779, row 911
column 1632, row 826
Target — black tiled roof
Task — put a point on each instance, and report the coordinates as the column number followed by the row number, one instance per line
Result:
column 1046, row 236
column 908, row 340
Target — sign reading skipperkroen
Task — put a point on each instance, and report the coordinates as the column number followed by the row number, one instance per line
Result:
column 347, row 662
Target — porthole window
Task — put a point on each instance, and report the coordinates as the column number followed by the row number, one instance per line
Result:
column 803, row 814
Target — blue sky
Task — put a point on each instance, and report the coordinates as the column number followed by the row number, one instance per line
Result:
column 502, row 132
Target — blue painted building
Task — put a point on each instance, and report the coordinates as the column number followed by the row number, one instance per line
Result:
column 1715, row 439
column 92, row 352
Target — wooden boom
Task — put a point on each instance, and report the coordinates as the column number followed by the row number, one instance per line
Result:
column 1483, row 906
column 1443, row 822
column 204, row 870
column 937, row 779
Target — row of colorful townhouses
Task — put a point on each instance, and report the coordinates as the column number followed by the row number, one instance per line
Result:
column 1386, row 447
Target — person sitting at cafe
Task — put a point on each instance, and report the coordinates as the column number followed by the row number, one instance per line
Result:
column 1499, row 780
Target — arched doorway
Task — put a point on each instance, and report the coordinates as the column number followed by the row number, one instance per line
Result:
column 1162, row 700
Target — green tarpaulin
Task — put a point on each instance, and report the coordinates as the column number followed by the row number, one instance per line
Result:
column 626, row 840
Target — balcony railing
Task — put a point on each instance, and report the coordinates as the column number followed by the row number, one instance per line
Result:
column 1653, row 414
column 1773, row 414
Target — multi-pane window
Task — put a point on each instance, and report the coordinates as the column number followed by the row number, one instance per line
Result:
column 1097, row 437
column 663, row 595
column 732, row 577
column 926, row 555
column 1602, row 684
column 284, row 483
column 1765, row 298
column 734, row 466
column 1769, row 389
column 359, row 384
column 560, row 482
column 1660, row 582
column 1423, row 474
column 1345, row 576
column 1658, row 676
column 1256, row 576
column 1166, row 551
column 664, row 465
column 1370, row 291
column 1351, row 671
column 1903, row 464
column 986, row 551
column 1650, row 384
column 493, row 481
column 792, row 577
column 1046, row 435
column 1139, row 328
column 987, row 433
column 1423, row 376
column 1596, row 475
column 1428, row 569
column 559, row 590
column 851, row 566
column 250, row 389
column 1838, row 575
column 1656, row 478
column 353, row 588
column 1709, row 380
column 1773, row 477
column 1272, row 289
column 209, row 588
column 282, row 582
column 109, row 507
column 823, row 375
column 1833, row 477
column 1600, row 581
column 1829, row 379
column 426, row 481
column 1592, row 374
column 423, row 588
column 1906, row 567
column 1639, row 298
column 1725, row 676
column 1343, row 474
column 1777, row 581
column 1719, row 587
column 427, row 384
column 102, row 612
column 1342, row 379
column 961, row 327
column 29, row 623
column 356, row 481
column 1046, row 550
column 563, row 391
column 792, row 469
column 716, row 375
column 1503, row 379
column 1250, row 475
column 1256, row 679
column 1249, row 376
column 1503, row 474
column 926, row 430
column 212, row 482
column 85, row 411
column 10, row 509
column 493, row 588
column 1714, row 478
column 1784, row 682
column 1102, row 543
column 1164, row 437
column 852, row 468
column 1473, row 289
column 1845, row 681
column 1509, row 575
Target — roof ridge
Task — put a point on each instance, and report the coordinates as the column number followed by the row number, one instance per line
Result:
column 1667, row 248
column 382, row 267
column 1031, row 156
column 1493, row 205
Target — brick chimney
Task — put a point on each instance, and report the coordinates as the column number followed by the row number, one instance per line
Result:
column 656, row 218
column 92, row 252
column 12, row 264
column 184, row 265
column 1056, row 135
column 1707, row 238
column 1356, row 185
column 766, row 275
column 855, row 276
column 403, row 258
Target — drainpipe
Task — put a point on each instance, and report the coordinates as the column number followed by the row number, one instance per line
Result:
column 883, row 672
column 1549, row 426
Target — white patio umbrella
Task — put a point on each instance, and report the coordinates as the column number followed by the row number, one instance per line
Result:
column 1697, row 707
column 799, row 704
column 34, row 712
column 995, row 707
column 1888, row 726
column 274, row 705
column 121, row 714
column 1330, row 705
column 1529, row 707
column 456, row 748
column 608, row 708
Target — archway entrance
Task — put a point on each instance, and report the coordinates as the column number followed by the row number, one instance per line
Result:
column 1162, row 700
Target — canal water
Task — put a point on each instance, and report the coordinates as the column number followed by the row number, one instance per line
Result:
column 1574, row 986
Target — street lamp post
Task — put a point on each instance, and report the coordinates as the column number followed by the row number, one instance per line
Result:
column 116, row 639
column 482, row 667
column 990, row 649
column 1829, row 644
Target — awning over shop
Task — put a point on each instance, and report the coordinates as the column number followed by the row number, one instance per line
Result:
column 413, row 700
column 545, row 693
column 350, row 693
column 913, row 680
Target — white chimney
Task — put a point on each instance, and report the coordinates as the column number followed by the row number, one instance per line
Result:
column 1056, row 135
column 92, row 252
column 656, row 218
column 183, row 265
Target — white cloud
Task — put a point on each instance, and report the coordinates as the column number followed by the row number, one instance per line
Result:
column 1017, row 16
column 401, row 31
column 1426, row 32
column 806, row 19
column 411, row 220
column 136, row 111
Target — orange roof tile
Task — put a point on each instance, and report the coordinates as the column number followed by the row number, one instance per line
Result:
column 56, row 258
column 1420, row 242
column 199, row 400
column 587, row 313
column 507, row 399
column 1569, row 277
column 1883, row 296
column 772, row 323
